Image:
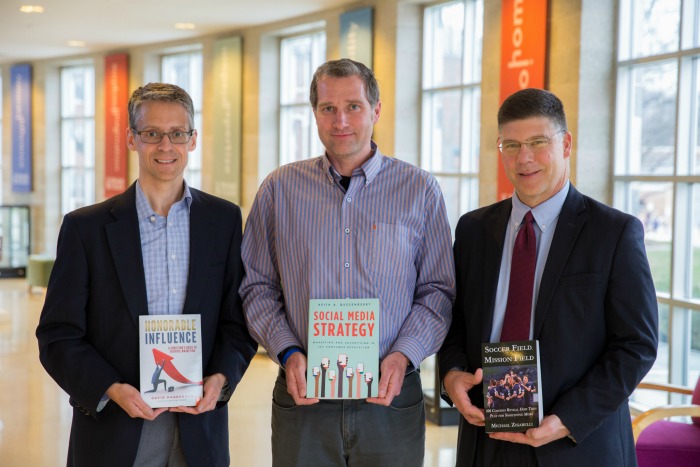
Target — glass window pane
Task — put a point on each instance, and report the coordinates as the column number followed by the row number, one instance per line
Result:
column 695, row 147
column 469, row 195
column 443, row 45
column 652, row 203
column 77, row 188
column 1, row 131
column 655, row 26
column 658, row 143
column 451, row 103
column 77, row 92
column 471, row 126
column 694, row 357
column 185, row 70
column 442, row 115
column 77, row 143
column 652, row 124
column 451, row 193
column 694, row 226
column 77, row 137
column 472, row 41
column 299, row 58
column 295, row 131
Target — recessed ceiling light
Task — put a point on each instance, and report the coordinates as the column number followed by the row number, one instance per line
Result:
column 76, row 43
column 184, row 26
column 31, row 9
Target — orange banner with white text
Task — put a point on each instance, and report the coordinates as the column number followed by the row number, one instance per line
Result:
column 523, row 57
column 116, row 122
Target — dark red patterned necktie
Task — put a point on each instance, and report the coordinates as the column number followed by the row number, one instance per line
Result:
column 516, row 323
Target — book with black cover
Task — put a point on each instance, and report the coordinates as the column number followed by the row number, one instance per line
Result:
column 512, row 389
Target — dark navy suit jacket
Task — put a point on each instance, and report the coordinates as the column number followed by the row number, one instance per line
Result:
column 88, row 331
column 595, row 317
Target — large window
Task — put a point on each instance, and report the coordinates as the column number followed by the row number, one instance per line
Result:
column 452, row 41
column 299, row 58
column 1, row 121
column 77, row 137
column 451, row 106
column 657, row 166
column 185, row 70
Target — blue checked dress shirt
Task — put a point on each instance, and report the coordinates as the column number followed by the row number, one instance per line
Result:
column 165, row 246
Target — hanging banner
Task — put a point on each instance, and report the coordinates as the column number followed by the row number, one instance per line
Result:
column 356, row 36
column 523, row 57
column 116, row 122
column 226, row 140
column 21, row 101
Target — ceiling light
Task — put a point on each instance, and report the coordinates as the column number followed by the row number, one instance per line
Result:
column 76, row 43
column 184, row 26
column 31, row 9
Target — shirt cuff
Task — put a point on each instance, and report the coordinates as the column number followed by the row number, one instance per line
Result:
column 103, row 402
column 284, row 355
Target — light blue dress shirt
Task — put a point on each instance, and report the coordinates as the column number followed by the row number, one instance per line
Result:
column 546, row 216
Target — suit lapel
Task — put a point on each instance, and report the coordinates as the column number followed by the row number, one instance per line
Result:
column 202, row 239
column 495, row 223
column 125, row 245
column 571, row 220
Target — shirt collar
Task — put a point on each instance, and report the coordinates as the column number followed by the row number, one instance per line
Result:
column 143, row 207
column 544, row 213
column 370, row 168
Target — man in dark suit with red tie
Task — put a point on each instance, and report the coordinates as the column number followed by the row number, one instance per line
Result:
column 583, row 288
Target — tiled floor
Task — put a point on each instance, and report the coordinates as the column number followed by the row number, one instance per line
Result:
column 35, row 415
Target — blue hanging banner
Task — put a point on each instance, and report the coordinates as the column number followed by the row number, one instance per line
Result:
column 21, row 99
column 356, row 36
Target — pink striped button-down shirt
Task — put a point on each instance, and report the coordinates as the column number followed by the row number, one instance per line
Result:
column 386, row 237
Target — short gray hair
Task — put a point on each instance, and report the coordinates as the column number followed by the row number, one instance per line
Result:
column 159, row 92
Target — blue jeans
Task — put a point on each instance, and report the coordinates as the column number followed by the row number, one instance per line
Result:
column 349, row 432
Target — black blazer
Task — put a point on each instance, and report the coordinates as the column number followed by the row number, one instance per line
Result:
column 595, row 317
column 88, row 330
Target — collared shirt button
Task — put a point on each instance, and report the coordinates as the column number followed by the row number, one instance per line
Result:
column 347, row 265
column 347, row 231
column 152, row 218
column 172, row 256
column 348, row 199
column 174, row 291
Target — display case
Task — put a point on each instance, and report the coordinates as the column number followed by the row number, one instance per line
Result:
column 436, row 410
column 14, row 240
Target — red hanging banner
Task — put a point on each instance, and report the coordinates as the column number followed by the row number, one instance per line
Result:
column 523, row 57
column 116, row 121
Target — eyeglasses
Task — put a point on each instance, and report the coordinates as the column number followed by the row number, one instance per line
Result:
column 512, row 148
column 155, row 137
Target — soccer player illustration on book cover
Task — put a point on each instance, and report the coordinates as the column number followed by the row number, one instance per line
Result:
column 512, row 401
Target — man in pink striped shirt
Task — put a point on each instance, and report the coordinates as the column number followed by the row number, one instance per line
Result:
column 351, row 223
